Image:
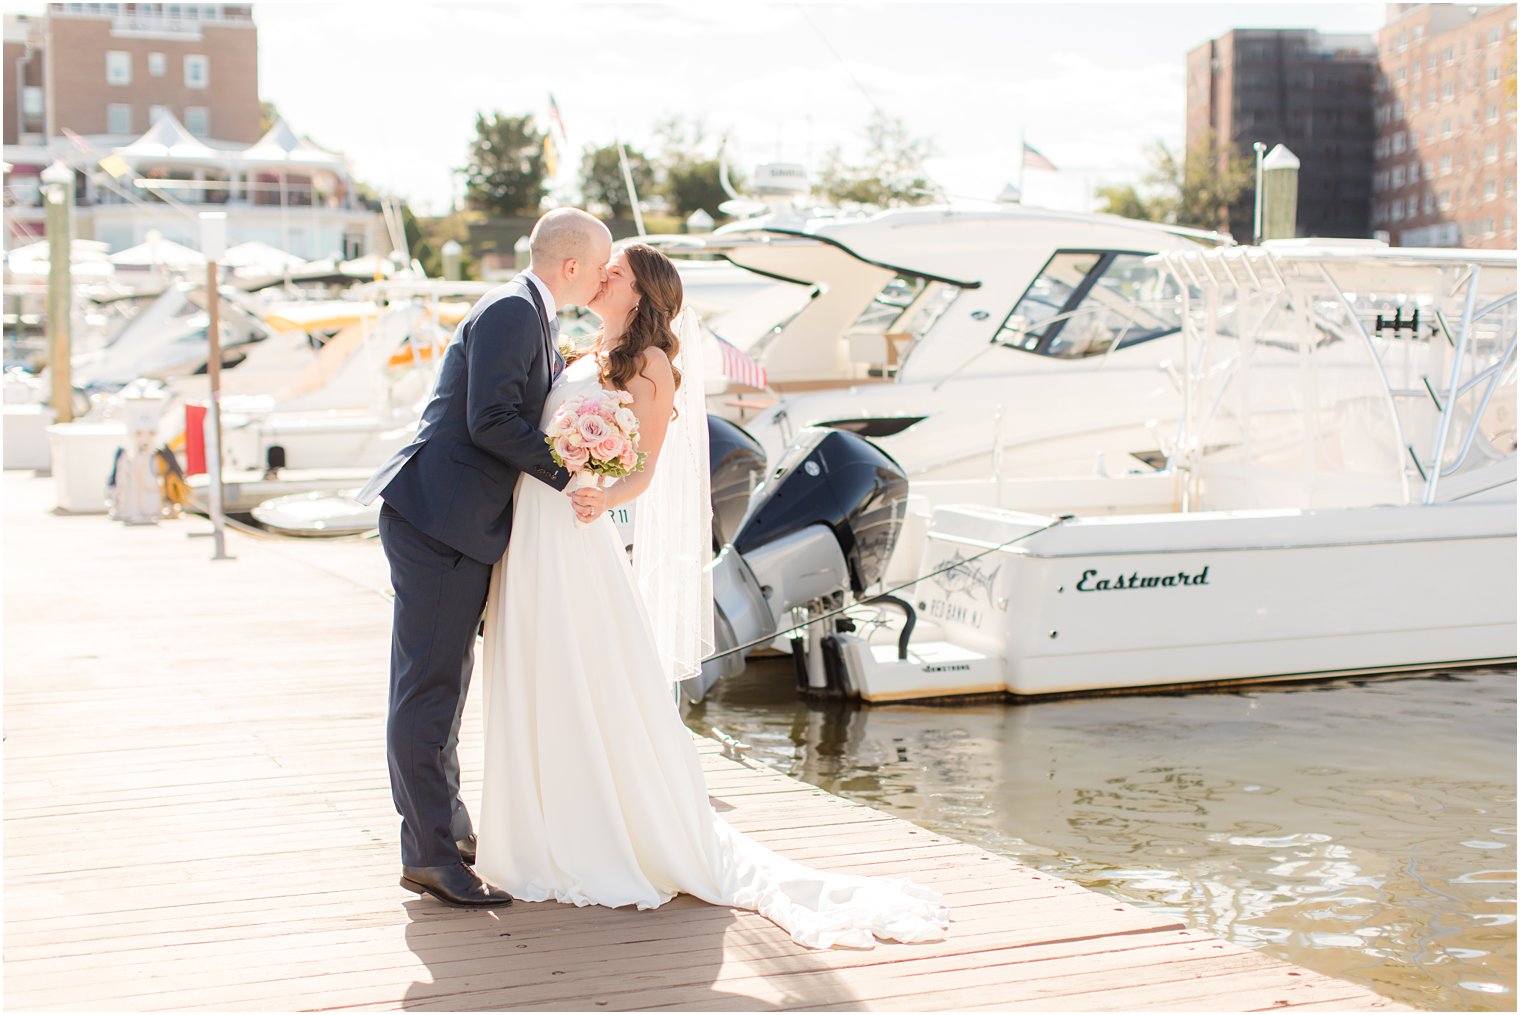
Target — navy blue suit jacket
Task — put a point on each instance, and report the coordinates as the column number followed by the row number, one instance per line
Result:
column 479, row 431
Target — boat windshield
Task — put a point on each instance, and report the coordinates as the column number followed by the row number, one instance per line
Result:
column 1086, row 302
column 887, row 306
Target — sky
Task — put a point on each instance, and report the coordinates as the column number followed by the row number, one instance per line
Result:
column 396, row 86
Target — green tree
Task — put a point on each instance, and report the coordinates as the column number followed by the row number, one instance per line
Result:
column 891, row 173
column 505, row 174
column 602, row 178
column 692, row 173
column 1125, row 200
column 1196, row 190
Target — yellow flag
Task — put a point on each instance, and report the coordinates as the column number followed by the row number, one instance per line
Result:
column 115, row 165
column 551, row 157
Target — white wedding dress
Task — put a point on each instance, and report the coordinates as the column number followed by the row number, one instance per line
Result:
column 593, row 790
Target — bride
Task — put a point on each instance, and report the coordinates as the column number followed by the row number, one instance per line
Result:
column 594, row 794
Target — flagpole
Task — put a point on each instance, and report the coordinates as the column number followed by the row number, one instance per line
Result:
column 633, row 195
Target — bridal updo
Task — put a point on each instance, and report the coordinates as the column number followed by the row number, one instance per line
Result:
column 658, row 286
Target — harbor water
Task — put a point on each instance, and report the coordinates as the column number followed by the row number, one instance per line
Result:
column 1364, row 829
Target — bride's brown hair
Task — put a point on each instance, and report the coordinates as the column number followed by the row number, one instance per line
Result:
column 660, row 294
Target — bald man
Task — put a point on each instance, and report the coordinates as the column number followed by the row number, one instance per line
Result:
column 445, row 521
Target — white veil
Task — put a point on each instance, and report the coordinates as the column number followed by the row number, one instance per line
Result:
column 672, row 524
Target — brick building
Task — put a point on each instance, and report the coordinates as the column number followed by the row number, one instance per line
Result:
column 1298, row 87
column 1444, row 172
column 156, row 107
column 126, row 63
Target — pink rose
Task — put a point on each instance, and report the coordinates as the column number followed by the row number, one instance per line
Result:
column 573, row 456
column 611, row 447
column 629, row 458
column 593, row 428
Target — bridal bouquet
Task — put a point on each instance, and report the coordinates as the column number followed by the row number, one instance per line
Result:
column 596, row 435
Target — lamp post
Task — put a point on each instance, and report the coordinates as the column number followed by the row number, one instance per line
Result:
column 213, row 246
column 58, row 195
column 1261, row 149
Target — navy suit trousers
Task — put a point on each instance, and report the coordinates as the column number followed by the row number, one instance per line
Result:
column 440, row 596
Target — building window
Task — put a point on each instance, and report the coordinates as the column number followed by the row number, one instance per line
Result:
column 1493, row 112
column 1430, row 97
column 1414, row 206
column 1446, row 127
column 1430, row 169
column 1493, row 36
column 1447, row 92
column 1398, row 142
column 31, row 101
column 1445, row 200
column 197, row 72
column 118, row 118
column 1449, row 56
column 1491, row 152
column 118, row 67
column 1430, row 203
column 1398, row 177
column 1493, row 75
column 157, row 65
column 1445, row 164
column 1509, row 225
column 198, row 120
column 1398, row 211
column 1490, row 190
column 1414, row 172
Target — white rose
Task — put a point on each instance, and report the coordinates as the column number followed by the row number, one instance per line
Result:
column 627, row 419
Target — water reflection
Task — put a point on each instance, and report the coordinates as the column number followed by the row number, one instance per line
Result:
column 1364, row 829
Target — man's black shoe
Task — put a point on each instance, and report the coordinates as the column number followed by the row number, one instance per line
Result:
column 467, row 848
column 454, row 884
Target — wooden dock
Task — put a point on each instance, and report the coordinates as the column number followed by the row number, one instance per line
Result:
column 197, row 816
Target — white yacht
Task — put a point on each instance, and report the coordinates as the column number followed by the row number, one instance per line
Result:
column 1344, row 485
column 1014, row 340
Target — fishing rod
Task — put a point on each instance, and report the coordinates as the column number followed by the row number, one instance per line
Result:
column 767, row 639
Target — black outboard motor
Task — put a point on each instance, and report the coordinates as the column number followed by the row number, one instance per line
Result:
column 736, row 462
column 822, row 524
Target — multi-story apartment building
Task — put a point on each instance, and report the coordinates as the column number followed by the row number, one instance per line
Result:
column 1309, row 91
column 156, row 107
column 1444, row 172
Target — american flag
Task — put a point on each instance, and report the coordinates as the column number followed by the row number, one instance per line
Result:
column 739, row 367
column 554, row 118
column 1034, row 160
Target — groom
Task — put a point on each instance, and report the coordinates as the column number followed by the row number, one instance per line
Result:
column 445, row 522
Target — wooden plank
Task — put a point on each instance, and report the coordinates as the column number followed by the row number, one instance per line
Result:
column 198, row 817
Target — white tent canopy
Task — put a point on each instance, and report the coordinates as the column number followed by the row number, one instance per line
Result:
column 159, row 251
column 255, row 258
column 282, row 145
column 168, row 139
column 33, row 259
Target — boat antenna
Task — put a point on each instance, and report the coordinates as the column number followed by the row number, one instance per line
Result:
column 802, row 8
column 723, row 177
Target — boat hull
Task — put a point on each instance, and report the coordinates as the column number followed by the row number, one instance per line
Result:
column 1125, row 602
